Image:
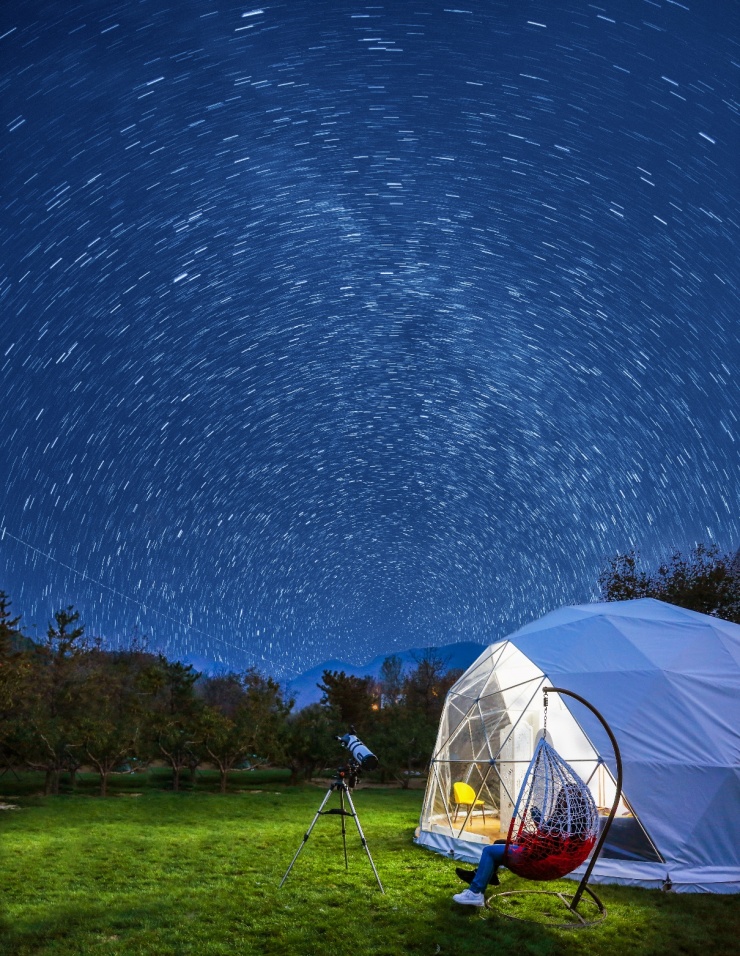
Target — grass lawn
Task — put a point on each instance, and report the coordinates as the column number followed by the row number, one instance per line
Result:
column 197, row 873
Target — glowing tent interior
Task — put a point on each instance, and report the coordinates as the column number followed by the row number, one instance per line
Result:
column 667, row 680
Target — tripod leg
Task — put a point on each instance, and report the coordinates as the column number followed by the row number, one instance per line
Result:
column 364, row 841
column 306, row 836
column 344, row 828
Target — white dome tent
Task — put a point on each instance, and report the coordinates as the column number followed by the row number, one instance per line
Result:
column 666, row 680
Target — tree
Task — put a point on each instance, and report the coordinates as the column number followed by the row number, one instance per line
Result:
column 391, row 680
column 10, row 633
column 705, row 581
column 244, row 715
column 10, row 638
column 51, row 700
column 352, row 699
column 404, row 730
column 622, row 579
column 111, row 718
column 310, row 742
column 224, row 740
column 13, row 664
column 403, row 740
column 411, row 728
column 172, row 728
column 425, row 688
column 268, row 710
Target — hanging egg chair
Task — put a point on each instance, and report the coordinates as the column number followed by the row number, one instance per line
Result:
column 555, row 826
column 555, row 823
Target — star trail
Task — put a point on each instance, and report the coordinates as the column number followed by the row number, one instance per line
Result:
column 333, row 329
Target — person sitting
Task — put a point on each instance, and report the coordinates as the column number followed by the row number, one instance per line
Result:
column 491, row 859
column 569, row 803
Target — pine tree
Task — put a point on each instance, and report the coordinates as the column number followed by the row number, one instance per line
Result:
column 10, row 634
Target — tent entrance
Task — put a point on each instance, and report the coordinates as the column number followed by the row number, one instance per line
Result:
column 627, row 838
column 492, row 722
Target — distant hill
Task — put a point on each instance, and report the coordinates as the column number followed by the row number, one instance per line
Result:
column 207, row 666
column 305, row 690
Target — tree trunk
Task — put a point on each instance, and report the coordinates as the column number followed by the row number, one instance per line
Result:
column 224, row 773
column 103, row 783
column 175, row 779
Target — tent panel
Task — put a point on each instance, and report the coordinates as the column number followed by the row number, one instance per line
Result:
column 729, row 641
column 714, row 834
column 474, row 678
column 566, row 734
column 658, row 876
column 463, row 851
column 458, row 710
column 599, row 647
column 515, row 669
column 514, row 699
column 498, row 725
column 454, row 717
column 468, row 742
column 714, row 705
column 680, row 646
column 436, row 803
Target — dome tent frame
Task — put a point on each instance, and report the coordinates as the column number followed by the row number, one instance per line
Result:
column 668, row 682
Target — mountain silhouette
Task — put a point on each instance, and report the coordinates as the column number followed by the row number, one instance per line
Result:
column 304, row 688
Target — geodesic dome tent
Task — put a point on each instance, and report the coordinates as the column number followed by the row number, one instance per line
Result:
column 667, row 680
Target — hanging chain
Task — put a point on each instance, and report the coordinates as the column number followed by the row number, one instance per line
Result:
column 544, row 722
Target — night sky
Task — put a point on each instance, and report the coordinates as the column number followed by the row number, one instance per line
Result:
column 333, row 329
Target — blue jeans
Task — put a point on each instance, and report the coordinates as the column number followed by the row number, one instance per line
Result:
column 492, row 856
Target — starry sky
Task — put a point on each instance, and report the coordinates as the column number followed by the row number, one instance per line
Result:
column 331, row 329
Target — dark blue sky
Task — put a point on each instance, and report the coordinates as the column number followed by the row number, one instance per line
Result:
column 330, row 329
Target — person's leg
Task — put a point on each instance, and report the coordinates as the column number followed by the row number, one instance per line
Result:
column 491, row 858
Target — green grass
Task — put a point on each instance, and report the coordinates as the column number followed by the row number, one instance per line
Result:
column 198, row 873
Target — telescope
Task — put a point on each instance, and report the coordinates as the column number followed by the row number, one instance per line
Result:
column 360, row 753
column 361, row 758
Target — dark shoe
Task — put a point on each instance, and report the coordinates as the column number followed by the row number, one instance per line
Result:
column 465, row 875
column 494, row 881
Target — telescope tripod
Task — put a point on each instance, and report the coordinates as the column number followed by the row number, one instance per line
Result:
column 340, row 786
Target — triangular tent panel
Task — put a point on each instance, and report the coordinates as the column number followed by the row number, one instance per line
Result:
column 667, row 680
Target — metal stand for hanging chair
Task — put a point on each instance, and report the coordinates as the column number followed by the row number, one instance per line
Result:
column 571, row 902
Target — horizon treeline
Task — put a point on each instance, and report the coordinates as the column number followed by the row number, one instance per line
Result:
column 67, row 703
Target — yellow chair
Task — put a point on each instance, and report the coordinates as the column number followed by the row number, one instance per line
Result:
column 463, row 795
